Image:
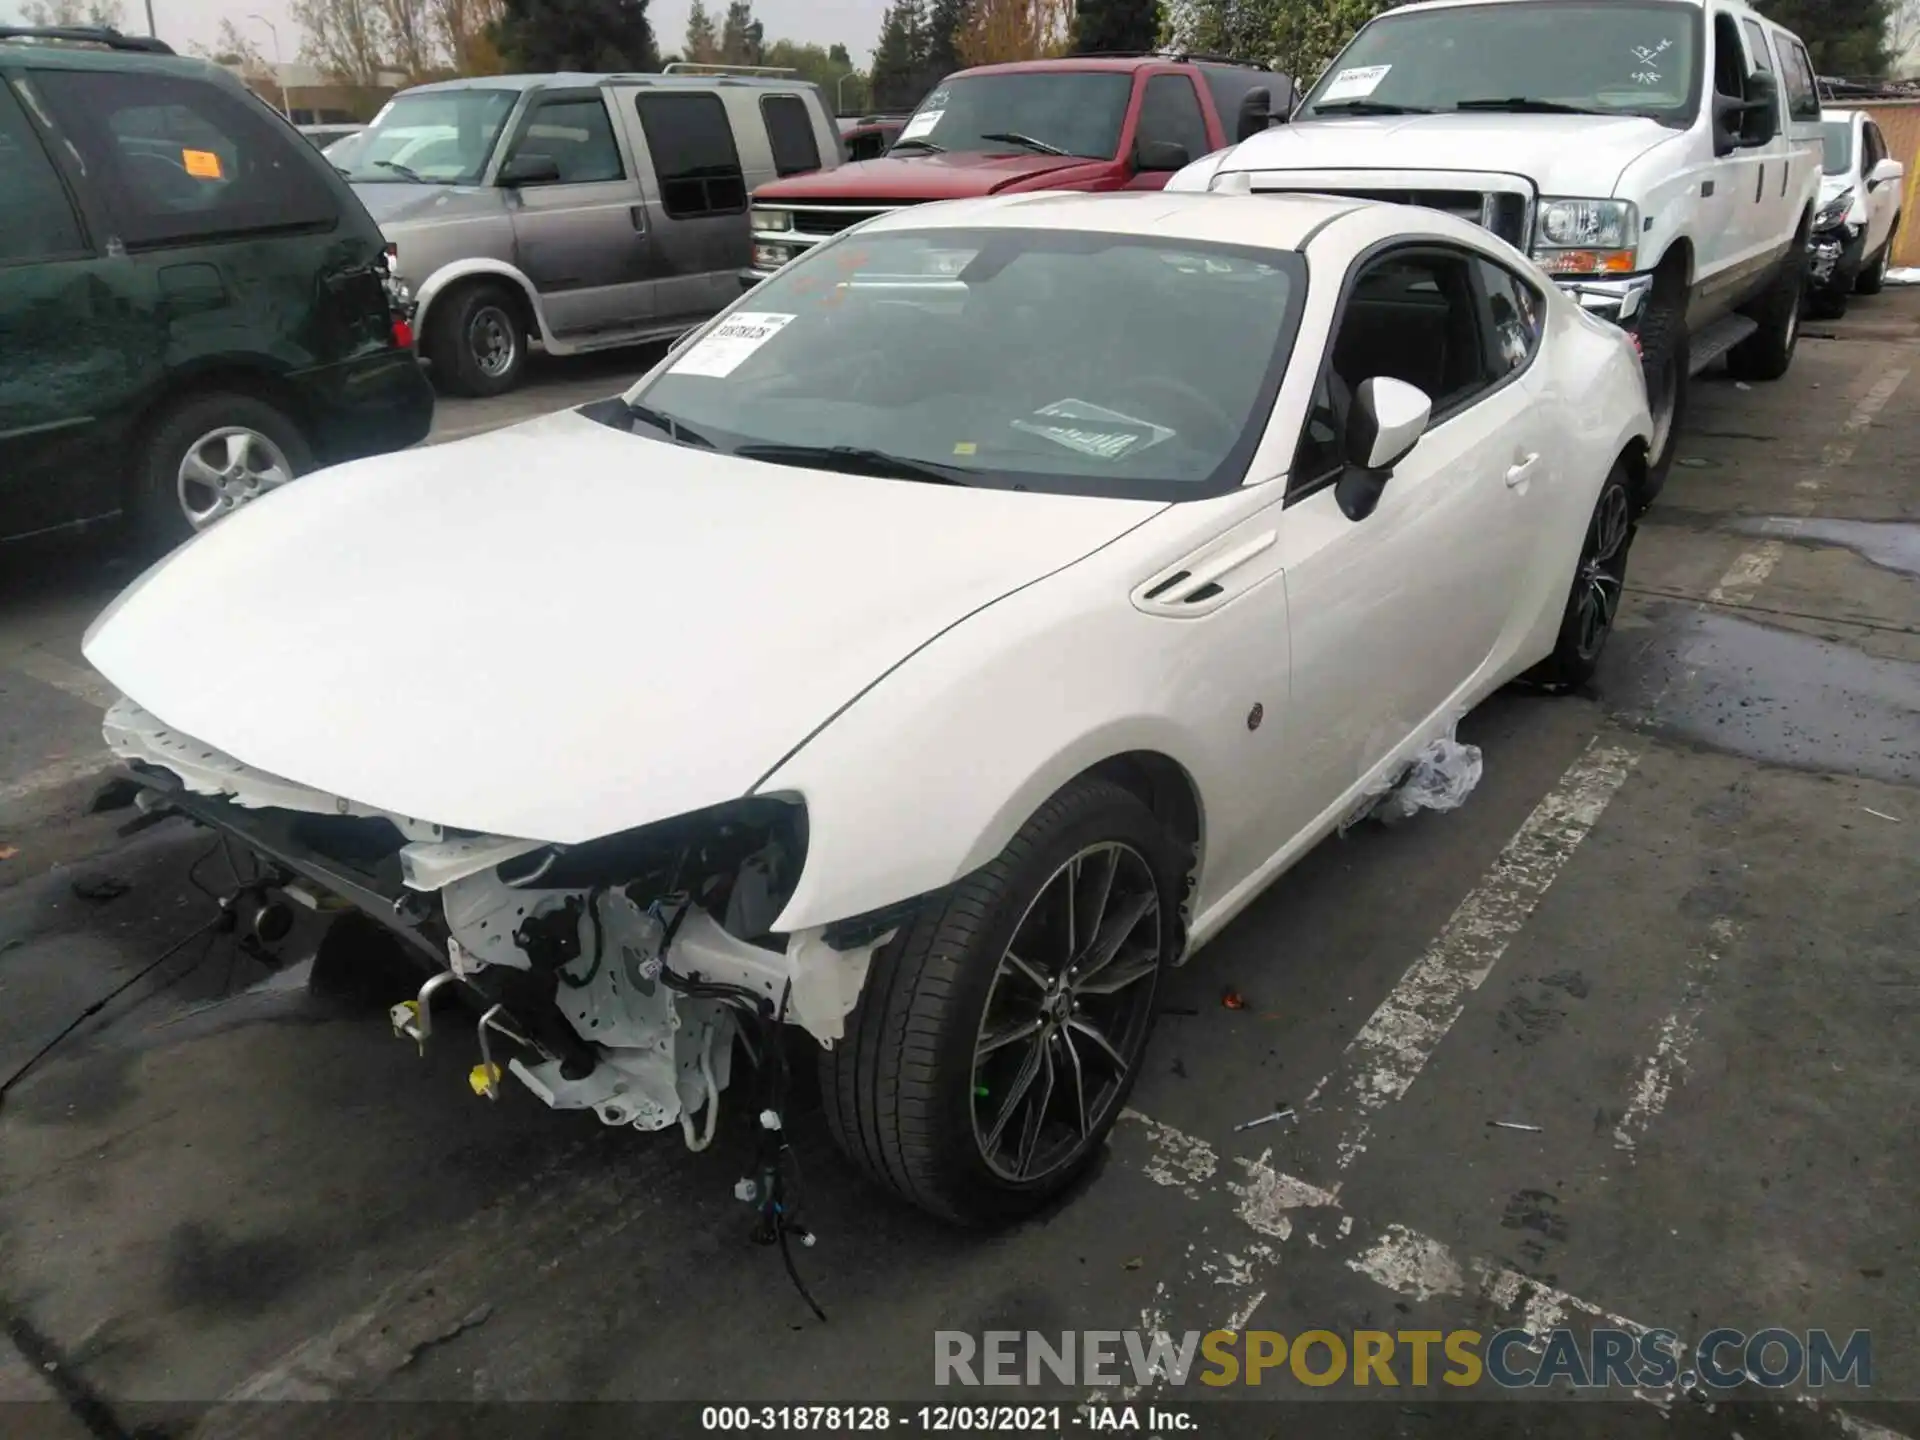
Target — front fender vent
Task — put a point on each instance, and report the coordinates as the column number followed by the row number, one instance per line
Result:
column 1210, row 577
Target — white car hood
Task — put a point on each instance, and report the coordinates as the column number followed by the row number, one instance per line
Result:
column 1832, row 185
column 1561, row 154
column 560, row 631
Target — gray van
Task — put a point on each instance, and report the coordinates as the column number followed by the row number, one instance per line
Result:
column 585, row 211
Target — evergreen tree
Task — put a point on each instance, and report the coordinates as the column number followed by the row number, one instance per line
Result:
column 540, row 36
column 901, row 60
column 946, row 23
column 1843, row 37
column 703, row 41
column 742, row 38
column 1109, row 26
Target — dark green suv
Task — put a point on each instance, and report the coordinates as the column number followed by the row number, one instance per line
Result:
column 194, row 307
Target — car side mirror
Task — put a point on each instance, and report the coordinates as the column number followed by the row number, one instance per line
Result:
column 530, row 169
column 1384, row 423
column 1157, row 155
column 1256, row 114
column 1886, row 172
column 1762, row 119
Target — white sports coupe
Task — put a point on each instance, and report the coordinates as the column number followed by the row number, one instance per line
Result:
column 928, row 652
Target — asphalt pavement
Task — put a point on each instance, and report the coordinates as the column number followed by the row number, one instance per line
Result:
column 1625, row 1042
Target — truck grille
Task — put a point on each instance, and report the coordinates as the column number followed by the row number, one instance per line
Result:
column 1504, row 212
column 821, row 222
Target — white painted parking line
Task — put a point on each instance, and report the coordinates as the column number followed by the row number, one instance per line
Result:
column 63, row 675
column 1385, row 1058
column 1751, row 568
column 1666, row 1065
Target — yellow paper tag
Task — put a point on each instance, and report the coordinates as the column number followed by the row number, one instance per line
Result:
column 966, row 447
column 201, row 164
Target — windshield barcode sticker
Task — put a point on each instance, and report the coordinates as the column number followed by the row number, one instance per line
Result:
column 921, row 124
column 730, row 344
column 1355, row 84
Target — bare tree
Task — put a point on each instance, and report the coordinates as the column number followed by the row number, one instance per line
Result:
column 345, row 39
column 1903, row 35
column 412, row 41
column 1000, row 30
column 463, row 30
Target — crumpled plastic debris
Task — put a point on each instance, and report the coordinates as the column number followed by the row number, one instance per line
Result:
column 100, row 887
column 1440, row 778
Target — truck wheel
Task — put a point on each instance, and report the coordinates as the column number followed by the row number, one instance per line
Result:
column 1766, row 354
column 1664, row 354
column 205, row 456
column 998, row 1035
column 476, row 341
column 1873, row 278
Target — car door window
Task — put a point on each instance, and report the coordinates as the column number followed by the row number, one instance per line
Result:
column 37, row 221
column 694, row 155
column 1729, row 59
column 790, row 133
column 1876, row 146
column 182, row 160
column 1408, row 315
column 1515, row 311
column 1803, row 99
column 577, row 134
column 1757, row 45
column 1170, row 112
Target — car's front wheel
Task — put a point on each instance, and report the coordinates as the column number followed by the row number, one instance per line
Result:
column 1600, row 577
column 476, row 340
column 1873, row 276
column 999, row 1034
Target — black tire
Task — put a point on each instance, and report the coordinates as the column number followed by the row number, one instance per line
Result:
column 1827, row 302
column 476, row 340
column 159, row 504
column 1598, row 579
column 901, row 1091
column 1664, row 363
column 1766, row 354
column 1872, row 278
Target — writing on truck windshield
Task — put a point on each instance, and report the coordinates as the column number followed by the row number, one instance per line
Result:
column 1604, row 57
column 1043, row 112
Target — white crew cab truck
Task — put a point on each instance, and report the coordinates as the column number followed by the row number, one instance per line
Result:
column 1660, row 159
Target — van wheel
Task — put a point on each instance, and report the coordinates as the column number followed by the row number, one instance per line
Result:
column 205, row 457
column 997, row 1037
column 476, row 341
column 1664, row 353
column 1593, row 604
column 1873, row 279
column 1766, row 354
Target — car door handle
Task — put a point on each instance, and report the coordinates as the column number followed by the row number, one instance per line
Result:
column 1518, row 472
column 638, row 215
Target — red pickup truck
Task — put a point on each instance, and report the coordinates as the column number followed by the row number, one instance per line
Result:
column 1089, row 123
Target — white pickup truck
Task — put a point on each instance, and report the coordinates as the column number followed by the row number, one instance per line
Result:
column 1661, row 159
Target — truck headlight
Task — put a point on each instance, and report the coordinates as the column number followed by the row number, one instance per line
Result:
column 1834, row 211
column 773, row 219
column 1586, row 237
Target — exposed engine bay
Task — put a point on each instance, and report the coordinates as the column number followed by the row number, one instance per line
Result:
column 613, row 976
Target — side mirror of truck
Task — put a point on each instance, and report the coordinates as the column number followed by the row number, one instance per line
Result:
column 1256, row 114
column 1158, row 155
column 1762, row 119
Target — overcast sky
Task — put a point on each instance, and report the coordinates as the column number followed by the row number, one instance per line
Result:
column 184, row 23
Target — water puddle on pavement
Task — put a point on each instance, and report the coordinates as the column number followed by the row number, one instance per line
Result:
column 1890, row 544
column 1778, row 696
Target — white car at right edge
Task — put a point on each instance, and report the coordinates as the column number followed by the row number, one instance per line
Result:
column 1859, row 215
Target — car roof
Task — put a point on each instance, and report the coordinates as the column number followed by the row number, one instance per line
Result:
column 586, row 80
column 1125, row 64
column 1838, row 116
column 1275, row 222
column 1419, row 5
column 79, row 55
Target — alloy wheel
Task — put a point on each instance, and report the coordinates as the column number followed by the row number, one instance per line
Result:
column 490, row 336
column 1067, row 1013
column 224, row 469
column 1603, row 569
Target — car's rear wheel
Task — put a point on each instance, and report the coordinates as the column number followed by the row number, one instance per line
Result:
column 999, row 1034
column 1766, row 354
column 207, row 456
column 476, row 340
column 1593, row 604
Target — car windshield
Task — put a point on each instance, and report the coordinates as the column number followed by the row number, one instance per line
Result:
column 1069, row 361
column 1838, row 135
column 1057, row 111
column 1612, row 58
column 443, row 137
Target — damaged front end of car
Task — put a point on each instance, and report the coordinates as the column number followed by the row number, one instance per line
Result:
column 611, row 976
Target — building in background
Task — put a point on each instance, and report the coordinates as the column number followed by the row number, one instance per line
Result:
column 311, row 98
